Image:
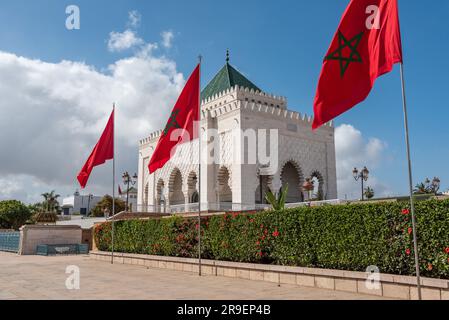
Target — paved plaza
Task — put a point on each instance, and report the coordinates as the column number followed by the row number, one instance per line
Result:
column 37, row 277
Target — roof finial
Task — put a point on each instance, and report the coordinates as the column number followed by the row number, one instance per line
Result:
column 227, row 55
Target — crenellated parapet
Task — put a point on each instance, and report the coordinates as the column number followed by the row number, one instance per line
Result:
column 242, row 93
column 263, row 109
column 151, row 138
column 281, row 113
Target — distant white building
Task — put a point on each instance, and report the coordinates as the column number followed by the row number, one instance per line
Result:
column 79, row 204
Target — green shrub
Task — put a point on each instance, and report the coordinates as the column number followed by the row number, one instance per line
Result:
column 13, row 214
column 349, row 237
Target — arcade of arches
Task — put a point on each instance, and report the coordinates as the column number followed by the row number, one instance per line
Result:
column 290, row 174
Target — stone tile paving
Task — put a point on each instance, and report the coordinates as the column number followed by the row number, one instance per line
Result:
column 36, row 277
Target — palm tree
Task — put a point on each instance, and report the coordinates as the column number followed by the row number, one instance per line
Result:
column 420, row 188
column 428, row 187
column 51, row 201
column 277, row 201
column 369, row 192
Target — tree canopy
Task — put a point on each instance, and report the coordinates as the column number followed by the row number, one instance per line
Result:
column 13, row 214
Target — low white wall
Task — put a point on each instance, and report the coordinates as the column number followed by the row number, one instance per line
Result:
column 33, row 235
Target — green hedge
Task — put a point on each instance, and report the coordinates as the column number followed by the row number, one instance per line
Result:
column 349, row 237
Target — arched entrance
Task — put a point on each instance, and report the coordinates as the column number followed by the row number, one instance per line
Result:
column 175, row 194
column 318, row 182
column 291, row 175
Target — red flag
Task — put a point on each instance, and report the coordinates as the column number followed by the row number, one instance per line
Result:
column 119, row 190
column 183, row 115
column 367, row 45
column 104, row 150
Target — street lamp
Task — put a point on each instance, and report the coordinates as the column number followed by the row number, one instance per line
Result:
column 127, row 180
column 362, row 175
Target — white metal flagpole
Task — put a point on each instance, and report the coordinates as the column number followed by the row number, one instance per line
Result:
column 113, row 189
column 199, row 170
column 410, row 178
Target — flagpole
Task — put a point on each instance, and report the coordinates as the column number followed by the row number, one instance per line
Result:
column 113, row 188
column 154, row 193
column 410, row 178
column 199, row 170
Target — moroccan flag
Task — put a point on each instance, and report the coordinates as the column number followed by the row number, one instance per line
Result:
column 183, row 115
column 104, row 150
column 367, row 45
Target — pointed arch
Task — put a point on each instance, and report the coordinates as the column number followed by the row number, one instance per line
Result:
column 175, row 193
column 318, row 189
column 291, row 174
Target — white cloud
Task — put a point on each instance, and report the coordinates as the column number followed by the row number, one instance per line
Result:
column 353, row 150
column 167, row 39
column 52, row 114
column 134, row 19
column 120, row 41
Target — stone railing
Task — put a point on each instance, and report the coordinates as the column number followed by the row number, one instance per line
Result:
column 389, row 286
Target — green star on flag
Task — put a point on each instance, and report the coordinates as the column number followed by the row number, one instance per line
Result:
column 338, row 54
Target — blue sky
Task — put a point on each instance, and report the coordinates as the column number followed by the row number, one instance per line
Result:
column 279, row 45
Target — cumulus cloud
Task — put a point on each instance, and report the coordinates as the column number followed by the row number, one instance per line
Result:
column 52, row 114
column 167, row 39
column 134, row 19
column 120, row 41
column 354, row 150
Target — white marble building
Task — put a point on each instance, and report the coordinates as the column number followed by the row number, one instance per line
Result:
column 230, row 102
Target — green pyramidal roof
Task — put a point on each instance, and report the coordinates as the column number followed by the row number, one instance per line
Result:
column 226, row 78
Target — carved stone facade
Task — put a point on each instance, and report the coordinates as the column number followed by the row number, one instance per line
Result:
column 235, row 108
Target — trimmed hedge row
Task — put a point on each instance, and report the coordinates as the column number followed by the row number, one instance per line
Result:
column 349, row 237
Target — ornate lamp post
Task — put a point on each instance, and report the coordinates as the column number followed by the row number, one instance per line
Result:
column 362, row 176
column 127, row 180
